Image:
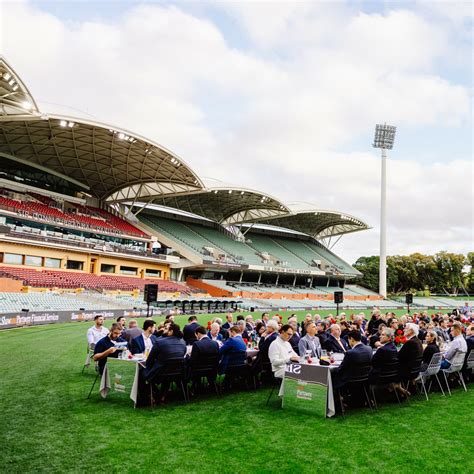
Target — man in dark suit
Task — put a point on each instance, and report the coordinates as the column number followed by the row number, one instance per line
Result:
column 229, row 318
column 410, row 355
column 385, row 355
column 132, row 332
column 204, row 352
column 261, row 360
column 165, row 348
column 189, row 331
column 146, row 340
column 356, row 358
column 233, row 351
column 295, row 339
column 322, row 335
column 334, row 342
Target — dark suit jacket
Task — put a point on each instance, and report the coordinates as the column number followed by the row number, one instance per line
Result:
column 384, row 355
column 138, row 344
column 226, row 326
column 165, row 348
column 203, row 347
column 359, row 356
column 429, row 351
column 219, row 336
column 470, row 343
column 263, row 346
column 130, row 334
column 409, row 356
column 189, row 331
column 332, row 345
column 232, row 352
column 322, row 336
column 294, row 341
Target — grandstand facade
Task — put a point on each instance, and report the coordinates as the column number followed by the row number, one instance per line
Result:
column 101, row 211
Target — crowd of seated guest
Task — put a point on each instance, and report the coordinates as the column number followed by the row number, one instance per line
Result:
column 408, row 342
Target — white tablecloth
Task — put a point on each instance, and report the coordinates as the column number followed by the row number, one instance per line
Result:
column 106, row 386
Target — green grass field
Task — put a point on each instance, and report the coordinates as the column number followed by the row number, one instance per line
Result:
column 48, row 425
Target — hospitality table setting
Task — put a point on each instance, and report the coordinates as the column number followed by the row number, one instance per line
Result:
column 307, row 385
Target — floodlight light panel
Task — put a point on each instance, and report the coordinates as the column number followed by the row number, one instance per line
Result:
column 384, row 136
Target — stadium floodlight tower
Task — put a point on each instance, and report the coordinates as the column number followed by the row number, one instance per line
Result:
column 384, row 138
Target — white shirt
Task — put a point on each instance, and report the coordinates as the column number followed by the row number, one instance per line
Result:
column 279, row 353
column 94, row 335
column 458, row 344
column 148, row 343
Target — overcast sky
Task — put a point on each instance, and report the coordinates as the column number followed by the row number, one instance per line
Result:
column 281, row 97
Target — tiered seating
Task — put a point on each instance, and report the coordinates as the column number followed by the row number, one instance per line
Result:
column 263, row 243
column 287, row 252
column 90, row 218
column 117, row 222
column 66, row 279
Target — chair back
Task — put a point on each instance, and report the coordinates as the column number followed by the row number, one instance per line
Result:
column 359, row 374
column 236, row 358
column 206, row 364
column 434, row 365
column 457, row 362
column 173, row 368
column 389, row 373
column 470, row 360
column 415, row 367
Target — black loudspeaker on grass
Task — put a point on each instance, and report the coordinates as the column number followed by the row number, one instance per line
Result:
column 338, row 297
column 150, row 294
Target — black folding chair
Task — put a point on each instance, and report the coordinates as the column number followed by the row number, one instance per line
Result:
column 205, row 367
column 172, row 372
column 388, row 377
column 359, row 379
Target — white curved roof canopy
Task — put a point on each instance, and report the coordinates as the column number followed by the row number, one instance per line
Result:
column 225, row 205
column 318, row 223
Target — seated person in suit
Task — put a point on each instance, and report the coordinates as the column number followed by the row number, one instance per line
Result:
column 458, row 344
column 310, row 343
column 470, row 338
column 204, row 351
column 164, row 349
column 374, row 339
column 144, row 343
column 355, row 359
column 281, row 352
column 334, row 342
column 431, row 348
column 411, row 353
column 233, row 351
column 106, row 346
column 214, row 334
column 229, row 321
column 307, row 319
column 189, row 330
column 132, row 332
column 386, row 354
column 249, row 323
column 322, row 335
column 267, row 337
column 243, row 331
column 295, row 339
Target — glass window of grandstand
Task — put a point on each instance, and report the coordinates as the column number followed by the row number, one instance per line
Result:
column 33, row 261
column 150, row 272
column 13, row 258
column 74, row 265
column 128, row 270
column 106, row 268
column 52, row 262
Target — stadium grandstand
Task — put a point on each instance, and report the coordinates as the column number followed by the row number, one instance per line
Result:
column 90, row 213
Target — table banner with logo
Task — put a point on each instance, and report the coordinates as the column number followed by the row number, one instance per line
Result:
column 119, row 379
column 308, row 388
